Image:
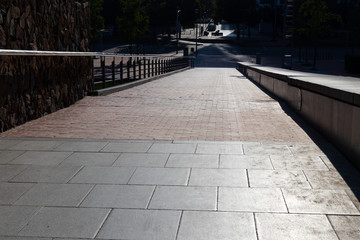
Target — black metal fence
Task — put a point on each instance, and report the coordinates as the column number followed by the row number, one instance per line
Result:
column 116, row 69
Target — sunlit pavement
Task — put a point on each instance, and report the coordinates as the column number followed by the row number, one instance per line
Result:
column 203, row 154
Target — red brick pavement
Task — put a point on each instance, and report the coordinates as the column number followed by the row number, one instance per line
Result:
column 212, row 104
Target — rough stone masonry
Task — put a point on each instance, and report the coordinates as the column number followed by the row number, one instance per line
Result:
column 31, row 87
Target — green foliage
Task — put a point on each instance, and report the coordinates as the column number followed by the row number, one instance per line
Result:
column 133, row 22
column 97, row 20
column 314, row 20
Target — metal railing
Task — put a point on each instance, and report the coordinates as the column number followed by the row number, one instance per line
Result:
column 110, row 69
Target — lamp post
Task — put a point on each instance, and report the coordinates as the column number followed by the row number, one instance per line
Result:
column 177, row 30
column 196, row 32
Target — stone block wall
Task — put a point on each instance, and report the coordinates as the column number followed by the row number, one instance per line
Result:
column 30, row 86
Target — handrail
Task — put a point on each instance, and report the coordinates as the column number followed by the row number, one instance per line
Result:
column 11, row 52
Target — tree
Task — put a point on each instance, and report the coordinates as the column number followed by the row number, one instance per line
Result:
column 97, row 20
column 133, row 22
column 313, row 22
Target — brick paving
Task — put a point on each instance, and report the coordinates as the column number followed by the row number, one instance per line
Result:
column 210, row 104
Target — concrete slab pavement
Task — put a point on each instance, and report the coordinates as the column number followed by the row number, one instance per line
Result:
column 248, row 195
column 203, row 154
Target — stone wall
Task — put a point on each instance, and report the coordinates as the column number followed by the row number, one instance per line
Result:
column 31, row 87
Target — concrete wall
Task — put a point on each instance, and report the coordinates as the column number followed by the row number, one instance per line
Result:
column 31, row 87
column 330, row 103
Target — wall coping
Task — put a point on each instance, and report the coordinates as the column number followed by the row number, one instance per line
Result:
column 346, row 89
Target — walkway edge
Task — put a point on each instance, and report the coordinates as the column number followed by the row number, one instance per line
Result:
column 110, row 90
column 330, row 103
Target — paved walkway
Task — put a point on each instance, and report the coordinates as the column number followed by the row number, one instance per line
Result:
column 212, row 104
column 203, row 154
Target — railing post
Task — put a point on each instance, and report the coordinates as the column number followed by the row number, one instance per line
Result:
column 102, row 59
column 149, row 68
column 93, row 74
column 134, row 70
column 121, row 71
column 113, row 71
column 144, row 67
column 155, row 67
column 139, row 63
column 128, row 69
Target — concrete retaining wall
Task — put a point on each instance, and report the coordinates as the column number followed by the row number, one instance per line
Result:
column 330, row 103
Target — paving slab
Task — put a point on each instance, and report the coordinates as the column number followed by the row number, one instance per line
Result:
column 193, row 160
column 41, row 158
column 141, row 224
column 251, row 200
column 306, row 150
column 46, row 174
column 119, row 196
column 277, row 179
column 184, row 198
column 216, row 225
column 60, row 195
column 333, row 179
column 319, row 201
column 14, row 218
column 172, row 148
column 81, row 146
column 293, row 226
column 66, row 222
column 160, row 176
column 10, row 192
column 298, row 162
column 7, row 156
column 337, row 163
column 218, row 177
column 91, row 159
column 6, row 144
column 354, row 195
column 130, row 147
column 245, row 162
column 219, row 148
column 8, row 172
column 35, row 145
column 142, row 160
column 346, row 227
column 266, row 149
column 104, row 175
